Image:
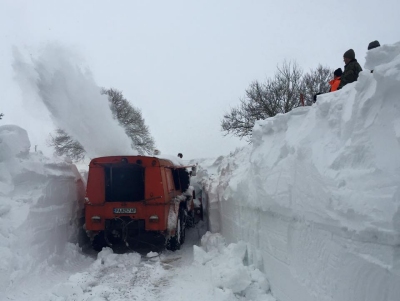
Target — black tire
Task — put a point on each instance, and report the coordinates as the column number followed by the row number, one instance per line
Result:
column 99, row 242
column 182, row 221
column 190, row 221
column 173, row 242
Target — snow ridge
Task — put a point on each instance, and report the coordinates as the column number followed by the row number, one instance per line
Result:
column 40, row 207
column 318, row 192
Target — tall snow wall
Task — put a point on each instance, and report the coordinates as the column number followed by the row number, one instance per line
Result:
column 317, row 194
column 40, row 206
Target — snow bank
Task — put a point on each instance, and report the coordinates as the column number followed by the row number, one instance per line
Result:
column 228, row 270
column 40, row 207
column 14, row 142
column 318, row 192
column 218, row 272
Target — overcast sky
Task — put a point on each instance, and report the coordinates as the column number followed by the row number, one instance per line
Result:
column 186, row 63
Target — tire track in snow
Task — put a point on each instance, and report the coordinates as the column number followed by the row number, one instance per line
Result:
column 117, row 277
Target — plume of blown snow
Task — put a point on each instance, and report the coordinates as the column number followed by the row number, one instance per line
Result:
column 56, row 80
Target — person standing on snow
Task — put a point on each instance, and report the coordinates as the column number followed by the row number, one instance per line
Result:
column 351, row 69
column 336, row 80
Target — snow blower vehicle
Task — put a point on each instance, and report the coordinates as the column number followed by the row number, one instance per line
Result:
column 138, row 199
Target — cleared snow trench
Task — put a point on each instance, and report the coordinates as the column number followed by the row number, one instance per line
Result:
column 40, row 258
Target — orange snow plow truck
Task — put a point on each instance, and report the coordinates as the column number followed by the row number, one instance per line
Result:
column 138, row 199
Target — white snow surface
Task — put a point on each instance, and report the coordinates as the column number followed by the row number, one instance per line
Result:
column 318, row 191
column 40, row 206
column 217, row 274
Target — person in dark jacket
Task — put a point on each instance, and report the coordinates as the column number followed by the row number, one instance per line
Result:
column 336, row 80
column 373, row 44
column 351, row 69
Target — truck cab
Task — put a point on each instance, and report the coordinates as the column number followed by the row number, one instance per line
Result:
column 134, row 199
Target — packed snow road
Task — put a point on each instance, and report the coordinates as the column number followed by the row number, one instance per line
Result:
column 215, row 272
column 105, row 276
column 129, row 276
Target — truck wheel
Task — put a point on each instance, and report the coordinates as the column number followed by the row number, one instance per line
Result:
column 182, row 221
column 190, row 219
column 174, row 242
column 99, row 242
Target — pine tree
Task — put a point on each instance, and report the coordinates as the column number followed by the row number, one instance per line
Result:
column 129, row 117
column 65, row 145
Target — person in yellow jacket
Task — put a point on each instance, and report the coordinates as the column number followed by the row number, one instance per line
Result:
column 335, row 82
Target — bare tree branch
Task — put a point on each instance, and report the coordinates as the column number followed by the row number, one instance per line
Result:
column 279, row 94
column 316, row 81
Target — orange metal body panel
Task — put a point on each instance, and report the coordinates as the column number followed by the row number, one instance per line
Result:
column 158, row 193
column 95, row 186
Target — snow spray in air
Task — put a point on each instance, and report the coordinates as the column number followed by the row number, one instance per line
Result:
column 68, row 91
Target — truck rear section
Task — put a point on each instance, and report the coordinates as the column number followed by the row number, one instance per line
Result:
column 137, row 200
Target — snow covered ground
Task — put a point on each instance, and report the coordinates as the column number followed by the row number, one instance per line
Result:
column 317, row 194
column 217, row 273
